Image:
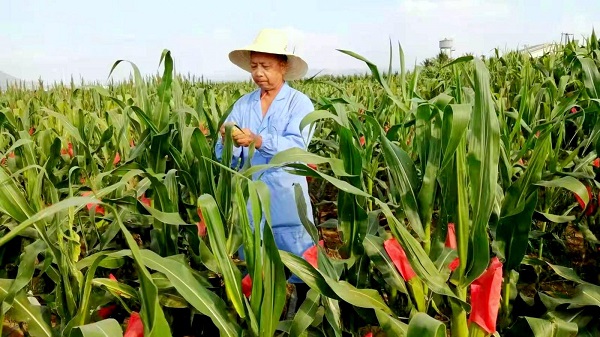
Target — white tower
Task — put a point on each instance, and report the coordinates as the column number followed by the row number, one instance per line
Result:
column 446, row 46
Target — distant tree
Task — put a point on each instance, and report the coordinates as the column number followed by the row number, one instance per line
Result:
column 442, row 58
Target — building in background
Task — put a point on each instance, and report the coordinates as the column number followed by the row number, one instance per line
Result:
column 446, row 47
column 541, row 49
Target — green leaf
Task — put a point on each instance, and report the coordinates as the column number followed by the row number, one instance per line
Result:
column 376, row 252
column 216, row 235
column 299, row 155
column 391, row 326
column 140, row 84
column 274, row 284
column 223, row 190
column 113, row 260
column 145, row 118
column 104, row 328
column 363, row 298
column 587, row 294
column 512, row 233
column 15, row 146
column 401, row 167
column 352, row 217
column 171, row 218
column 333, row 316
column 155, row 323
column 160, row 114
column 568, row 183
column 72, row 130
column 539, row 327
column 301, row 268
column 378, row 78
column 201, row 148
column 306, row 313
column 116, row 288
column 483, row 158
column 318, row 115
column 423, row 325
column 23, row 311
column 566, row 273
column 419, row 260
column 455, row 124
column 202, row 299
column 591, row 76
column 25, row 272
column 462, row 59
column 431, row 156
column 83, row 311
column 44, row 213
column 556, row 218
column 302, row 211
column 12, row 200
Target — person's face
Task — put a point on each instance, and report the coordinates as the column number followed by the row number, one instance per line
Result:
column 268, row 70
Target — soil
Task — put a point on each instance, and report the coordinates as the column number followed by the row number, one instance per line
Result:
column 332, row 242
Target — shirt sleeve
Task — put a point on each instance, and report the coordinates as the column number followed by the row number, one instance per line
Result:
column 292, row 136
column 234, row 116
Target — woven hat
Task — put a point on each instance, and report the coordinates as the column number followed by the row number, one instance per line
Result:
column 272, row 41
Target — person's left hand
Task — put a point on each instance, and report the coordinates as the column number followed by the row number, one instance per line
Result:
column 246, row 137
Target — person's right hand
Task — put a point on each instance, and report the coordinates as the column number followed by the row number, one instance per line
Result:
column 234, row 131
column 223, row 128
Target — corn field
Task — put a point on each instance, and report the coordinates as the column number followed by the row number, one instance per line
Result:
column 455, row 199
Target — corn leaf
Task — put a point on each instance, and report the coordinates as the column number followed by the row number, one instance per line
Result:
column 570, row 184
column 305, row 314
column 216, row 235
column 116, row 288
column 352, row 217
column 424, row 325
column 483, row 157
column 23, row 311
column 274, row 285
column 391, row 326
column 419, row 261
column 374, row 249
column 205, row 301
column 401, row 167
column 104, row 328
column 155, row 323
column 518, row 206
column 591, row 76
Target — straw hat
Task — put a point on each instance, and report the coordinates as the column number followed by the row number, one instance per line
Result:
column 270, row 41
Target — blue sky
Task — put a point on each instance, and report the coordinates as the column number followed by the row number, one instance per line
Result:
column 55, row 40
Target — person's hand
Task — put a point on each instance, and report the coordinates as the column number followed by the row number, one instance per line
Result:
column 234, row 130
column 246, row 137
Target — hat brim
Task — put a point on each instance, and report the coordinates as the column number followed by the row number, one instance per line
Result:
column 296, row 69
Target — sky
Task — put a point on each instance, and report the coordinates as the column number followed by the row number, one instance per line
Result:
column 57, row 40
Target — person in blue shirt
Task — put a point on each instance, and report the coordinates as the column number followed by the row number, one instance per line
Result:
column 270, row 118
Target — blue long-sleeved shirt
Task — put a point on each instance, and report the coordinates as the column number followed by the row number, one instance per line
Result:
column 280, row 130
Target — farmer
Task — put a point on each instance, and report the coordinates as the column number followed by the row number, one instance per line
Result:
column 270, row 118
